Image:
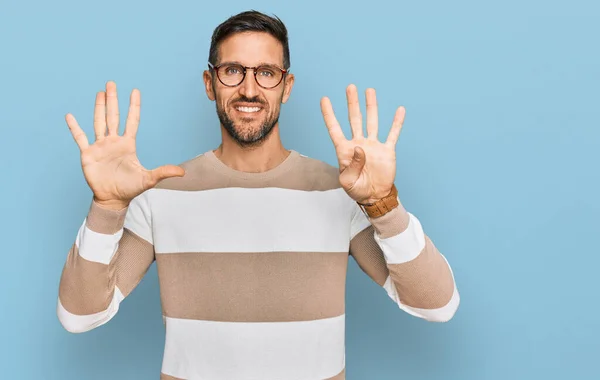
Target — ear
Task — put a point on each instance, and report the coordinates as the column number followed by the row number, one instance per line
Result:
column 287, row 89
column 208, row 85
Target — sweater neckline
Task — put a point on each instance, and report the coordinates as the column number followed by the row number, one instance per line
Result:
column 283, row 167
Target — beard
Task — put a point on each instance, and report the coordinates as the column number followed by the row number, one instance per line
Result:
column 242, row 132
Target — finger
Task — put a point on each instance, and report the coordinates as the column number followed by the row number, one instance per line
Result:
column 372, row 121
column 396, row 126
column 354, row 115
column 77, row 133
column 133, row 117
column 100, row 116
column 335, row 131
column 163, row 172
column 112, row 109
column 352, row 172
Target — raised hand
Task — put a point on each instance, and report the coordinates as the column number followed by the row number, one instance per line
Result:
column 110, row 166
column 367, row 166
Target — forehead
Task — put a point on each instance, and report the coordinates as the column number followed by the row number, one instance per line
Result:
column 251, row 48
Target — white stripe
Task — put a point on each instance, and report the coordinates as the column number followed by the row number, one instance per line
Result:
column 308, row 350
column 138, row 219
column 442, row 314
column 405, row 246
column 97, row 247
column 82, row 323
column 100, row 248
column 359, row 221
column 250, row 220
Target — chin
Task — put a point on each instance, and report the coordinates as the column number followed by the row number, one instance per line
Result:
column 248, row 137
column 246, row 131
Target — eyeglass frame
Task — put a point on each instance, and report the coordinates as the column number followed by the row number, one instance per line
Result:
column 216, row 68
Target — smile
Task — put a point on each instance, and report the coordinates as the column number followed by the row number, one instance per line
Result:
column 248, row 109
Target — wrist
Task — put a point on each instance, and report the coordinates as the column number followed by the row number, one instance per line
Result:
column 378, row 198
column 382, row 206
column 112, row 205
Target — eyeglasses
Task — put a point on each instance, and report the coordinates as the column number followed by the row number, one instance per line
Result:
column 233, row 74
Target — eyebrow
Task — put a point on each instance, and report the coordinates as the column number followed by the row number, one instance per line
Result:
column 241, row 64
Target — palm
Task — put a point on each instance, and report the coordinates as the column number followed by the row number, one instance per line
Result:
column 374, row 177
column 111, row 166
column 113, row 170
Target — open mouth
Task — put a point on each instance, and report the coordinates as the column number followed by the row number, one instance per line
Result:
column 248, row 109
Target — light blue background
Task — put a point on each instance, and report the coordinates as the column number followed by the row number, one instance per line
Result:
column 498, row 158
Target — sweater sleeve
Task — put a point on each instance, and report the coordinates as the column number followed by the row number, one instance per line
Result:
column 397, row 254
column 112, row 252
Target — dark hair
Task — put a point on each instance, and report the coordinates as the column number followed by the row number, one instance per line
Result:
column 250, row 21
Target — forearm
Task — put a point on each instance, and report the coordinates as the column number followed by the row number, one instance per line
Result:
column 87, row 293
column 418, row 272
column 86, row 287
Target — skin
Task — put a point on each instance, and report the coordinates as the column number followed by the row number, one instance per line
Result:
column 367, row 165
column 110, row 165
column 250, row 49
column 115, row 175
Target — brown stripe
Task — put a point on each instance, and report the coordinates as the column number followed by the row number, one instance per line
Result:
column 167, row 377
column 392, row 223
column 369, row 256
column 425, row 282
column 132, row 261
column 340, row 376
column 253, row 287
column 205, row 172
column 105, row 221
column 86, row 287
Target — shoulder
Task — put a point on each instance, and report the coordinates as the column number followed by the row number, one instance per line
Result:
column 317, row 166
column 318, row 174
column 196, row 170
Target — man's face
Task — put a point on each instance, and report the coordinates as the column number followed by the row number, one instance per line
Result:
column 249, row 112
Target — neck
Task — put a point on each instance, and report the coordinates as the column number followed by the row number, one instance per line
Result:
column 254, row 159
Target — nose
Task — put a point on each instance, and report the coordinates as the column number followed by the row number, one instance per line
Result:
column 249, row 87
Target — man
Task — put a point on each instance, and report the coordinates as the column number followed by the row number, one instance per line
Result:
column 251, row 240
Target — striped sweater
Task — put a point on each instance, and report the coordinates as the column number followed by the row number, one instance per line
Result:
column 252, row 268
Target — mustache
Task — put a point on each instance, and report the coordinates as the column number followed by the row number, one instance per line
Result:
column 244, row 99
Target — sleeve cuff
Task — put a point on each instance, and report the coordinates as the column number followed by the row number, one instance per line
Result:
column 391, row 224
column 105, row 221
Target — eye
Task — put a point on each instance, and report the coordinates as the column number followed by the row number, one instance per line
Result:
column 266, row 72
column 232, row 70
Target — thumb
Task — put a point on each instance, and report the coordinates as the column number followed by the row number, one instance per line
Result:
column 354, row 168
column 165, row 171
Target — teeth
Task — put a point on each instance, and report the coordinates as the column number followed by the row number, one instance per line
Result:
column 248, row 109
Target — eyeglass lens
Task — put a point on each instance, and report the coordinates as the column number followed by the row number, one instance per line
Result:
column 266, row 76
